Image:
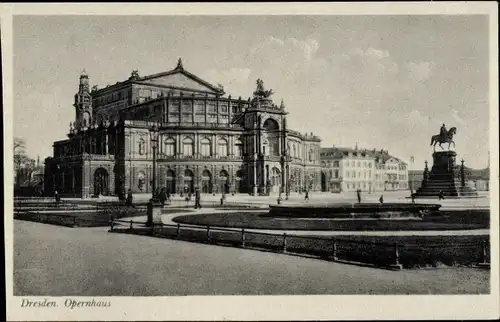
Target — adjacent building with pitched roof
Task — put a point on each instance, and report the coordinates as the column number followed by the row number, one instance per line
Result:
column 350, row 169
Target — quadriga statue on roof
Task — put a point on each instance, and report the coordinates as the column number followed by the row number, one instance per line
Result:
column 260, row 91
column 444, row 136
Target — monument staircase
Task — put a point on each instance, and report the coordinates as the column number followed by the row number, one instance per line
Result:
column 444, row 177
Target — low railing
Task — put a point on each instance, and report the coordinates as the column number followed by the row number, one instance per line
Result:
column 379, row 254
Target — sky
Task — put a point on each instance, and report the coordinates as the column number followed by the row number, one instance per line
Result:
column 384, row 82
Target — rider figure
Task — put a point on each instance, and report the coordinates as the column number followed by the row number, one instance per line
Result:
column 443, row 133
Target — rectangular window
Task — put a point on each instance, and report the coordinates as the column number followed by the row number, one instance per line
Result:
column 212, row 108
column 205, row 150
column 336, row 174
column 170, row 149
column 223, row 107
column 224, row 119
column 187, row 107
column 222, row 150
column 173, row 117
column 188, row 149
column 199, row 118
column 212, row 118
column 187, row 118
column 335, row 163
column 174, row 107
column 199, row 107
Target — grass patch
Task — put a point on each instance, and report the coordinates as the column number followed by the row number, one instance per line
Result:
column 97, row 218
column 262, row 221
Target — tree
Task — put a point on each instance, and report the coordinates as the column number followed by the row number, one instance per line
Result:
column 23, row 165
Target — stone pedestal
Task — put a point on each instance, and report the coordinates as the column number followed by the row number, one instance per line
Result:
column 444, row 176
column 154, row 213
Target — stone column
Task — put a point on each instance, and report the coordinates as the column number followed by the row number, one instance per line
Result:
column 214, row 145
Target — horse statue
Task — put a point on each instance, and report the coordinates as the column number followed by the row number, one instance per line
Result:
column 446, row 138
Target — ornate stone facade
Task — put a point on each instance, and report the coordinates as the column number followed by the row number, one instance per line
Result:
column 206, row 140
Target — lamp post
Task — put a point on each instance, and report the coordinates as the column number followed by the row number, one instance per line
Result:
column 154, row 207
column 411, row 174
column 154, row 141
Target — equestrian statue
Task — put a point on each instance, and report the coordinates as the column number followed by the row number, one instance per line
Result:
column 444, row 136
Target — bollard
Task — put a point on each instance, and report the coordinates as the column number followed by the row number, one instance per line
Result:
column 284, row 242
column 243, row 242
column 334, row 249
column 178, row 233
column 131, row 224
column 485, row 256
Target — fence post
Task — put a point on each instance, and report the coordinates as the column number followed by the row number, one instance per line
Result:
column 485, row 263
column 284, row 242
column 334, row 249
column 483, row 245
column 243, row 242
column 396, row 264
column 208, row 234
column 178, row 233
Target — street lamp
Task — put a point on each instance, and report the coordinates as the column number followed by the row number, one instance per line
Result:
column 154, row 206
column 154, row 141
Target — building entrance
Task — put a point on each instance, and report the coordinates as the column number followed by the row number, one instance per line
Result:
column 101, row 182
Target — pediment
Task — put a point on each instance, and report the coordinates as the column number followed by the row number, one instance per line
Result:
column 180, row 80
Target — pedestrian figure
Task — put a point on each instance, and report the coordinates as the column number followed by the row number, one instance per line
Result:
column 306, row 198
column 57, row 197
column 197, row 199
column 358, row 192
column 381, row 199
column 412, row 198
column 129, row 198
column 168, row 195
column 441, row 195
column 162, row 196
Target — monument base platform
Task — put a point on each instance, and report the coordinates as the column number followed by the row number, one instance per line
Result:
column 444, row 178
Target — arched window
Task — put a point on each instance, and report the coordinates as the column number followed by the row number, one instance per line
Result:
column 170, row 147
column 311, row 155
column 238, row 148
column 142, row 146
column 206, row 147
column 222, row 147
column 187, row 147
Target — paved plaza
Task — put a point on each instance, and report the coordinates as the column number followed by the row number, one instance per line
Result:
column 55, row 261
column 322, row 197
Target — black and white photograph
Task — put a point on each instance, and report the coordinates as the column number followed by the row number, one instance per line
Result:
column 247, row 151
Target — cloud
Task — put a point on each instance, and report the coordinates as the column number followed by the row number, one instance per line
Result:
column 419, row 71
column 288, row 53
